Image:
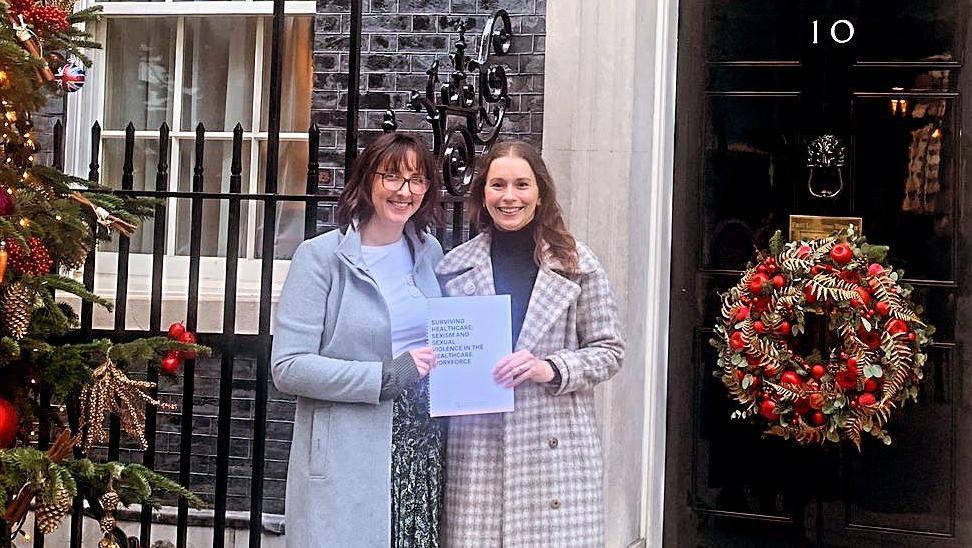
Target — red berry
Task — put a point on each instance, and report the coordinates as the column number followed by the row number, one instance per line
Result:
column 882, row 308
column 188, row 338
column 170, row 363
column 176, row 331
column 841, row 254
column 818, row 371
column 896, row 326
column 874, row 269
column 767, row 408
column 911, row 336
column 791, row 377
column 817, row 418
column 867, row 398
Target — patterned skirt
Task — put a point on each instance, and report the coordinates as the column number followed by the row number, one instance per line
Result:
column 418, row 461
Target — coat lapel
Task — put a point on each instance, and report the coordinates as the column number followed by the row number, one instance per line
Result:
column 467, row 269
column 551, row 297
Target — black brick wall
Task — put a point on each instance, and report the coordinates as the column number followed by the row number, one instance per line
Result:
column 400, row 40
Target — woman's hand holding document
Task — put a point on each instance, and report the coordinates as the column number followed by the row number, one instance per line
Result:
column 469, row 335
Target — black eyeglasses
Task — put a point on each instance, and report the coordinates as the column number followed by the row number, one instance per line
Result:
column 394, row 182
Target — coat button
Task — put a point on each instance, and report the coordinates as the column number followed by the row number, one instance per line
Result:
column 553, row 443
column 555, row 504
column 469, row 288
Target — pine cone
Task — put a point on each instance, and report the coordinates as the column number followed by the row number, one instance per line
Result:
column 18, row 304
column 49, row 516
column 107, row 542
column 74, row 258
column 107, row 523
column 110, row 501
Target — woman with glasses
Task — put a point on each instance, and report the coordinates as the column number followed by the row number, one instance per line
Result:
column 366, row 458
column 531, row 478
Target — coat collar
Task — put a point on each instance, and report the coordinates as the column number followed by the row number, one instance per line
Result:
column 469, row 271
column 349, row 248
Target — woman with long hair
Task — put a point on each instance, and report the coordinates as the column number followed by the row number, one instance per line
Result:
column 366, row 459
column 532, row 477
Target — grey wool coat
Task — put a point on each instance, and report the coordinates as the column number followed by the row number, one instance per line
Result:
column 532, row 478
column 332, row 333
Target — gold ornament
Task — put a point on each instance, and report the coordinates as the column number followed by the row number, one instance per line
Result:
column 49, row 516
column 113, row 392
column 18, row 303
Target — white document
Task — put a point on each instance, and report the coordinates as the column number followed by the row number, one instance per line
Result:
column 469, row 335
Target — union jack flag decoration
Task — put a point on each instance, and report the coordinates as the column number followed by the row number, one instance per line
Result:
column 70, row 77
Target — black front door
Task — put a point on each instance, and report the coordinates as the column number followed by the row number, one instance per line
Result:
column 758, row 80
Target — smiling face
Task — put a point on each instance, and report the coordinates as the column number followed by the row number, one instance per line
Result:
column 511, row 194
column 393, row 208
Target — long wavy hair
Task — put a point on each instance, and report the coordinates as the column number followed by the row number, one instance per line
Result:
column 389, row 151
column 549, row 228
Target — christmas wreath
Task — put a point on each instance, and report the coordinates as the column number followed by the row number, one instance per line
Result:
column 820, row 340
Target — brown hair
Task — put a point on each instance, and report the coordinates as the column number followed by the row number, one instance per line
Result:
column 390, row 149
column 549, row 226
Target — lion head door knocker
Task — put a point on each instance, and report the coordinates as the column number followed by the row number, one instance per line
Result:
column 826, row 154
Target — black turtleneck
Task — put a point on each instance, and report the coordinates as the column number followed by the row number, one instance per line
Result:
column 514, row 270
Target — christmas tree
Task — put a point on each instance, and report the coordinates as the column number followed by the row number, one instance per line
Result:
column 49, row 224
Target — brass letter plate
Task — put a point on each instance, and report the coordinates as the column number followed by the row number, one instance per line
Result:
column 810, row 227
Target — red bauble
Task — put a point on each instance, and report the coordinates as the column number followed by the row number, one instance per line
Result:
column 818, row 371
column 852, row 365
column 736, row 340
column 771, row 370
column 882, row 308
column 188, row 338
column 742, row 313
column 791, row 377
column 9, row 422
column 804, row 251
column 176, row 331
column 779, row 281
column 756, row 283
column 801, row 406
column 767, row 408
column 847, row 380
column 896, row 326
column 875, row 269
column 6, row 203
column 870, row 385
column 759, row 326
column 783, row 328
column 841, row 254
column 170, row 363
column 866, row 399
column 817, row 418
column 864, row 295
column 35, row 260
column 817, row 400
column 47, row 19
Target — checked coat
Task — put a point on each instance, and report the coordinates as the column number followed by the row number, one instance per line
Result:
column 533, row 478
